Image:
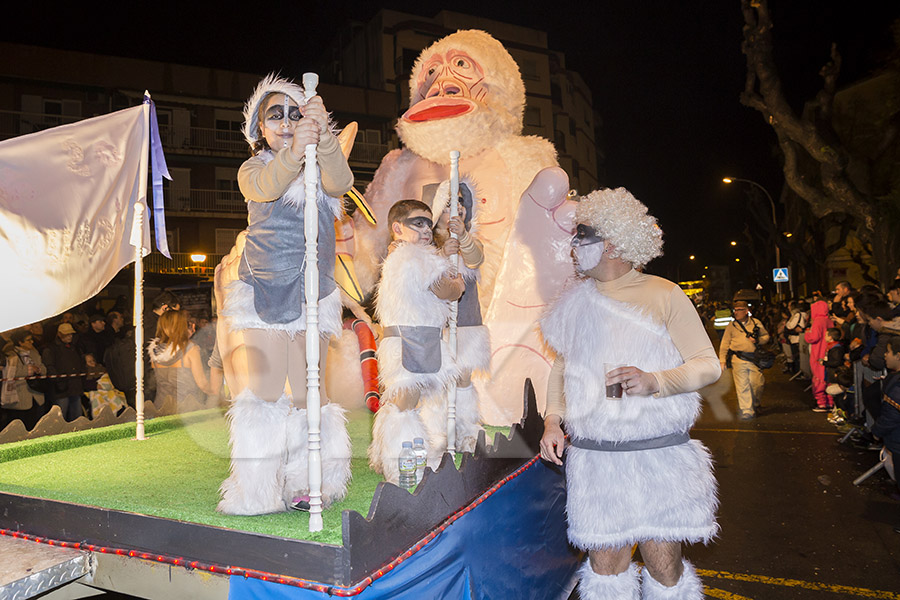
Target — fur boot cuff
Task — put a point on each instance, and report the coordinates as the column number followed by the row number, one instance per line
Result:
column 688, row 587
column 624, row 586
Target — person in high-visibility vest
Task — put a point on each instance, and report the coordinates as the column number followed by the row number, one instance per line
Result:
column 723, row 318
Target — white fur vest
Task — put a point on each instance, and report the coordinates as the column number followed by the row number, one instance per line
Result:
column 589, row 329
column 404, row 294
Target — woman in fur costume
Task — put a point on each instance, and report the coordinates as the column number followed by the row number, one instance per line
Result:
column 414, row 361
column 268, row 426
column 177, row 363
column 658, row 488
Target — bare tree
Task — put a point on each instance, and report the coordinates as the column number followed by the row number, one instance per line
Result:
column 819, row 166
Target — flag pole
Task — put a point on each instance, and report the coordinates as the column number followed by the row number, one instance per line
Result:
column 311, row 288
column 454, row 306
column 137, row 240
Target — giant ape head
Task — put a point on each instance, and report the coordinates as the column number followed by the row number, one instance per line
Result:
column 465, row 94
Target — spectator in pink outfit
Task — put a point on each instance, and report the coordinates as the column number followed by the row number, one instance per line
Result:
column 818, row 349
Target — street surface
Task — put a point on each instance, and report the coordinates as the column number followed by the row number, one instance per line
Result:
column 793, row 525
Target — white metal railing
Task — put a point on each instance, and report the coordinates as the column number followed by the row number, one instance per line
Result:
column 196, row 200
column 181, row 263
column 14, row 123
column 368, row 153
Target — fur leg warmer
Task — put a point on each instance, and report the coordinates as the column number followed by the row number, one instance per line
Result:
column 624, row 586
column 433, row 411
column 468, row 419
column 688, row 587
column 336, row 453
column 392, row 427
column 296, row 467
column 257, row 432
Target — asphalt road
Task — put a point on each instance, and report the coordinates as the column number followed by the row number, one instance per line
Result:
column 793, row 525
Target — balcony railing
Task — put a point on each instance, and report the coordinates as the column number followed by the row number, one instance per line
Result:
column 15, row 123
column 368, row 153
column 174, row 138
column 194, row 200
column 181, row 263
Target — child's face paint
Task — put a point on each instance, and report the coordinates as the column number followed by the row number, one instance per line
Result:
column 279, row 118
column 416, row 228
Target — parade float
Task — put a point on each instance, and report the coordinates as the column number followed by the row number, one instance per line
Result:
column 127, row 503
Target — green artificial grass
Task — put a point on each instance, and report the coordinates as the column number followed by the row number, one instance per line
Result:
column 174, row 474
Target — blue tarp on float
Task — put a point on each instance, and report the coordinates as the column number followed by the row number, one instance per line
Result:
column 512, row 545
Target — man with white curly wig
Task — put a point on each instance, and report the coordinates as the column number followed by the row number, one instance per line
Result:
column 631, row 355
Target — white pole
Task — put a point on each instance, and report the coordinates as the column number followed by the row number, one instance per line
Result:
column 137, row 240
column 454, row 306
column 311, row 285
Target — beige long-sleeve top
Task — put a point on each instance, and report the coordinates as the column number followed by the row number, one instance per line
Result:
column 735, row 339
column 261, row 182
column 666, row 303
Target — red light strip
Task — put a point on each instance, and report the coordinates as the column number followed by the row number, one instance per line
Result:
column 283, row 579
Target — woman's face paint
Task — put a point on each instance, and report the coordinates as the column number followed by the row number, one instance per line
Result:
column 279, row 119
column 587, row 248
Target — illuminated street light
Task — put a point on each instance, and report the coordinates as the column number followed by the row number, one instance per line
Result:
column 774, row 219
column 691, row 257
column 734, row 243
column 198, row 258
column 737, row 260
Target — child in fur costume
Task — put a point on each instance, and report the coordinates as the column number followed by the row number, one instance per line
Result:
column 267, row 426
column 473, row 340
column 413, row 305
column 658, row 488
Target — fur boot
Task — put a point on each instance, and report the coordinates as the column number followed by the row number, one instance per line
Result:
column 392, row 427
column 296, row 466
column 336, row 453
column 433, row 411
column 257, row 432
column 688, row 587
column 468, row 418
column 624, row 586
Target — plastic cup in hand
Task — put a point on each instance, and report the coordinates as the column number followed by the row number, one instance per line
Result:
column 613, row 391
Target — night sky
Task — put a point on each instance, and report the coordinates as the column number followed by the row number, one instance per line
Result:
column 666, row 79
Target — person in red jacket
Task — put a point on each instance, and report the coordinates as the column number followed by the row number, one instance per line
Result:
column 818, row 348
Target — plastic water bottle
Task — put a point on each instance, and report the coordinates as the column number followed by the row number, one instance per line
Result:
column 421, row 457
column 407, row 464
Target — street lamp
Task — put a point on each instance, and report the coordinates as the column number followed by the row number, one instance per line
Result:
column 774, row 221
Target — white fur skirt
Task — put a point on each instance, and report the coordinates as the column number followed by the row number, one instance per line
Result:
column 617, row 499
column 395, row 378
column 474, row 349
column 241, row 312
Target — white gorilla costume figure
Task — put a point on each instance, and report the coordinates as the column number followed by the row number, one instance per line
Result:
column 466, row 94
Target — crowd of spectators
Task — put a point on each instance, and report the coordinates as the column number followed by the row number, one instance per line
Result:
column 845, row 345
column 86, row 357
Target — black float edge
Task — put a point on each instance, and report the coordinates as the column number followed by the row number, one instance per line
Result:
column 398, row 520
column 191, row 541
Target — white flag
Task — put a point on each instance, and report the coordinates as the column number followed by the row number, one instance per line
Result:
column 67, row 199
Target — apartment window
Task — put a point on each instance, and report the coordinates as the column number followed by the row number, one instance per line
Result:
column 560, row 138
column 528, row 68
column 533, row 117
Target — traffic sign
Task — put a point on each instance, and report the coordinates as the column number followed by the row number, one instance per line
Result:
column 780, row 275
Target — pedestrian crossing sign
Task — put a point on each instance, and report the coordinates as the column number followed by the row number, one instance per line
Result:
column 780, row 275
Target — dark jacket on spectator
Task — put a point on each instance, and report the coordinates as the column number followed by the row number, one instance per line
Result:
column 61, row 359
column 887, row 425
column 833, row 361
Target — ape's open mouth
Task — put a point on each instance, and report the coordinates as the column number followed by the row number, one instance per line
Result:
column 438, row 107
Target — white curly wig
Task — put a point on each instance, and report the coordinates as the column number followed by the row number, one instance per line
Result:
column 622, row 219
